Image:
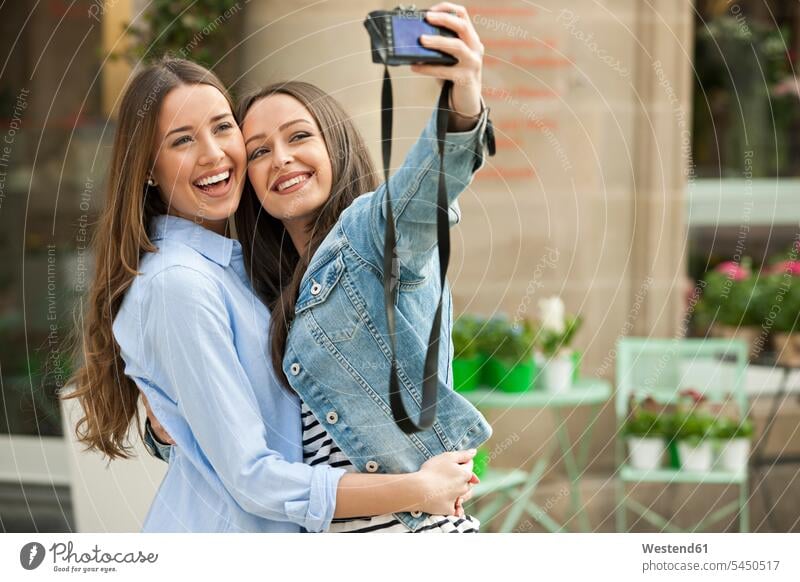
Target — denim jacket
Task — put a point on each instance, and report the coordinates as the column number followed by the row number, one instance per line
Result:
column 338, row 353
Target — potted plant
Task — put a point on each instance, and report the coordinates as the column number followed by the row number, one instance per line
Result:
column 577, row 358
column 491, row 333
column 644, row 435
column 733, row 439
column 507, row 349
column 467, row 360
column 780, row 304
column 553, row 339
column 693, row 431
column 729, row 305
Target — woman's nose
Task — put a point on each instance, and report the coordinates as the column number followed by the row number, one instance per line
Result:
column 212, row 153
column 280, row 156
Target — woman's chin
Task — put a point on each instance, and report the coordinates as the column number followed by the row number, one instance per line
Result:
column 296, row 208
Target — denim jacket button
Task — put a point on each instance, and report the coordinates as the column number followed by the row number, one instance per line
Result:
column 316, row 288
column 332, row 417
column 371, row 466
column 416, row 514
column 295, row 369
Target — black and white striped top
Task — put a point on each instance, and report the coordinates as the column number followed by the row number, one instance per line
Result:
column 318, row 448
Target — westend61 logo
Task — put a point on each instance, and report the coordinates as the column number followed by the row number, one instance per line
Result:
column 65, row 559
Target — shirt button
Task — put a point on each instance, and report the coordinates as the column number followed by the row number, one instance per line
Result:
column 295, row 369
column 316, row 288
column 416, row 514
column 332, row 417
column 372, row 466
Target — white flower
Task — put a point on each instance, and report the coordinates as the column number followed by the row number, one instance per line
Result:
column 551, row 311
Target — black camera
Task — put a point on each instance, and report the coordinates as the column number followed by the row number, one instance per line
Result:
column 395, row 37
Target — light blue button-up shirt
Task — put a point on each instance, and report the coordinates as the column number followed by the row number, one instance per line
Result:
column 194, row 338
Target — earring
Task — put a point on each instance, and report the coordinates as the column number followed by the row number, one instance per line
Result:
column 150, row 181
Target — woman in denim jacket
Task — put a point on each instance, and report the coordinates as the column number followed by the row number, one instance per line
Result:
column 316, row 258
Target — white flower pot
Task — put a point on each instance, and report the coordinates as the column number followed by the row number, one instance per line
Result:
column 646, row 453
column 696, row 457
column 558, row 374
column 733, row 454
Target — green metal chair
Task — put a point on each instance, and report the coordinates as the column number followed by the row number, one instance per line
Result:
column 662, row 368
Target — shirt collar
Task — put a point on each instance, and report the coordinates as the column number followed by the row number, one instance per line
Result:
column 211, row 245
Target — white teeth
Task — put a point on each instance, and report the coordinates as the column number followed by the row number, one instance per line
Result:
column 214, row 179
column 292, row 182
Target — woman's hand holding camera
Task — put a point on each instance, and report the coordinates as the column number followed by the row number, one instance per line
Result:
column 466, row 74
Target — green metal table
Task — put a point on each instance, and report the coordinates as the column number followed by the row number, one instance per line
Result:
column 517, row 486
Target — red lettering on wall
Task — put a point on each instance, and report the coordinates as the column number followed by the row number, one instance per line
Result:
column 505, row 173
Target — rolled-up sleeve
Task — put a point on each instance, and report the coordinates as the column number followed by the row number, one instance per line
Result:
column 202, row 396
column 316, row 512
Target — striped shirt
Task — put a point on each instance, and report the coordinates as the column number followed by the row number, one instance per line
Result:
column 319, row 448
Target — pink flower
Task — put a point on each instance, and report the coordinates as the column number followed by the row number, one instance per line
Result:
column 787, row 86
column 694, row 394
column 733, row 270
column 790, row 267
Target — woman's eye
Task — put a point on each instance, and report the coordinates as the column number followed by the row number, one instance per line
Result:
column 258, row 153
column 182, row 140
column 224, row 126
column 299, row 136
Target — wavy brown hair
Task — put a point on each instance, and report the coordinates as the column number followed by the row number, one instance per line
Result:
column 273, row 263
column 107, row 396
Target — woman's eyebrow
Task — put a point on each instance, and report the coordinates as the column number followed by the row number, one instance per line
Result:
column 256, row 136
column 190, row 127
column 288, row 123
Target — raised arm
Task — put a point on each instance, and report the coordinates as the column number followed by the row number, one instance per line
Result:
column 414, row 186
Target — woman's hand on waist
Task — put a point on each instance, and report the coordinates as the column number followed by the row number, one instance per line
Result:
column 158, row 430
column 446, row 482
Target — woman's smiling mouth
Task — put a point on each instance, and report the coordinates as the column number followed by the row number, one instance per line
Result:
column 291, row 182
column 216, row 183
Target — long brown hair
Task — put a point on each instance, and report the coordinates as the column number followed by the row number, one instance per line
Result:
column 274, row 265
column 107, row 396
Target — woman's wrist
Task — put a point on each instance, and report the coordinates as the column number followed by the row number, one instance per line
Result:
column 466, row 106
column 418, row 489
column 364, row 494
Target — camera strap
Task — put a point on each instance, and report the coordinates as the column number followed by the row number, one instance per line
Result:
column 391, row 265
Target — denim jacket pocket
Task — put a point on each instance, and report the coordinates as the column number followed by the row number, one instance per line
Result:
column 323, row 298
column 318, row 285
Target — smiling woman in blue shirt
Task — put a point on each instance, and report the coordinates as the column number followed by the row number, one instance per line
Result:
column 171, row 314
